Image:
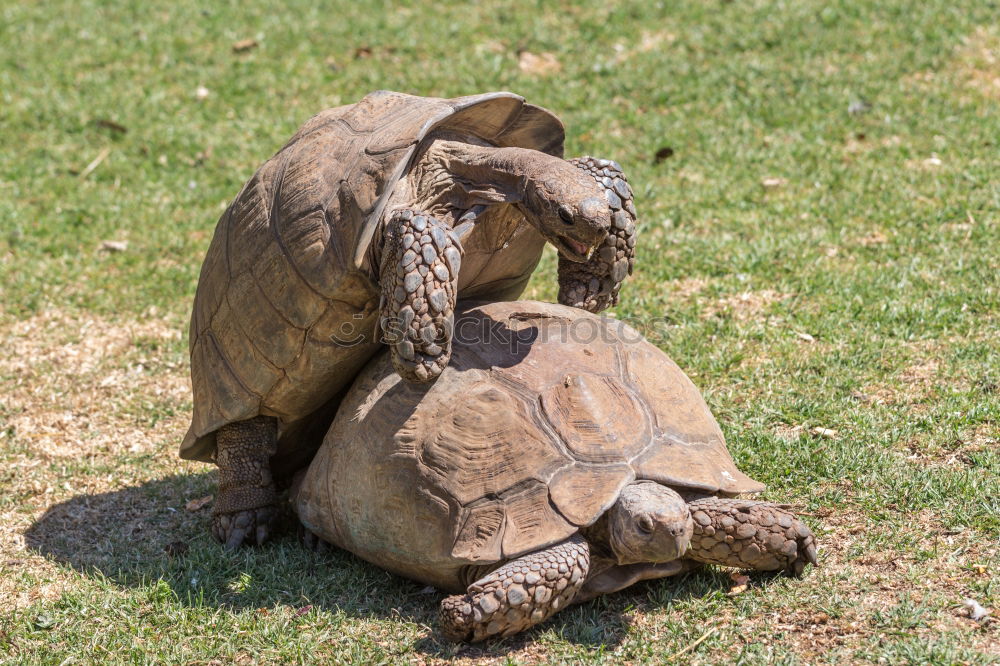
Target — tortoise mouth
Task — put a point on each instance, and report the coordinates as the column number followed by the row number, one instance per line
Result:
column 573, row 250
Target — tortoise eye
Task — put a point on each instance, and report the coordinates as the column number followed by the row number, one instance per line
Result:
column 566, row 214
column 645, row 524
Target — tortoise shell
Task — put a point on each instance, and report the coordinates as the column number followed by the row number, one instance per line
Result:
column 527, row 436
column 284, row 284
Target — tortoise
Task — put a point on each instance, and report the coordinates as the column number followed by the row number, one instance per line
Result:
column 362, row 230
column 559, row 457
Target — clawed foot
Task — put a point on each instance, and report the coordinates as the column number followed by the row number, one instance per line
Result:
column 594, row 285
column 311, row 541
column 419, row 275
column 246, row 507
column 750, row 534
column 252, row 527
column 518, row 595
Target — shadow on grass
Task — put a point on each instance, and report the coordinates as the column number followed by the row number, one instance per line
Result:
column 123, row 536
column 143, row 535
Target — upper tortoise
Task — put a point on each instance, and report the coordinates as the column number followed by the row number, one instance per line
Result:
column 557, row 458
column 365, row 228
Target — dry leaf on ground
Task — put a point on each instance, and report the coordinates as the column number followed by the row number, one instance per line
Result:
column 740, row 584
column 114, row 246
column 199, row 504
column 111, row 125
column 244, row 45
column 874, row 238
column 538, row 64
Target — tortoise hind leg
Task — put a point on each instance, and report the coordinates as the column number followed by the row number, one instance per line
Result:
column 307, row 537
column 518, row 595
column 750, row 535
column 312, row 541
column 246, row 506
column 421, row 258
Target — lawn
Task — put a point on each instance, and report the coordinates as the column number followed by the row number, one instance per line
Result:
column 818, row 186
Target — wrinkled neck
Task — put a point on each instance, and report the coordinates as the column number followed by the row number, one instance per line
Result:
column 514, row 166
column 454, row 174
column 599, row 536
column 503, row 171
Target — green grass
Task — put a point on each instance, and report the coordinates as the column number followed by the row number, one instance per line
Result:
column 861, row 295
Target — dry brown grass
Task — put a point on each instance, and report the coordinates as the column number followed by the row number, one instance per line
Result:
column 955, row 453
column 73, row 387
column 977, row 62
column 975, row 66
column 70, row 379
column 873, row 582
column 684, row 288
column 915, row 384
column 746, row 305
column 741, row 307
column 728, row 95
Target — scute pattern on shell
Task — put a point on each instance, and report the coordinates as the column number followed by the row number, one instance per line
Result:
column 284, row 286
column 482, row 438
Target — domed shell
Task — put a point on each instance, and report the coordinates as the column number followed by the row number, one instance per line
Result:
column 543, row 415
column 282, row 282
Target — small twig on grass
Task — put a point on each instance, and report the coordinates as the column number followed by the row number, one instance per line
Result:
column 101, row 156
column 693, row 645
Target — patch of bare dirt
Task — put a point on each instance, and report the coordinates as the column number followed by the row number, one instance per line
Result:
column 79, row 390
column 747, row 305
column 978, row 61
column 648, row 41
column 873, row 238
column 975, row 67
column 655, row 40
column 857, row 143
column 914, row 385
column 864, row 588
column 959, row 452
column 538, row 64
column 922, row 80
column 68, row 376
column 684, row 288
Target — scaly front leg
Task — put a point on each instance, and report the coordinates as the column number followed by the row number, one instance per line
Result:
column 421, row 258
column 594, row 284
column 518, row 595
column 750, row 535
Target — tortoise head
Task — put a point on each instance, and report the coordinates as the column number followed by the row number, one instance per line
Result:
column 649, row 523
column 566, row 205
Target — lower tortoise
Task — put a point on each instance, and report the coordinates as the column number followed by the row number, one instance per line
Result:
column 558, row 457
